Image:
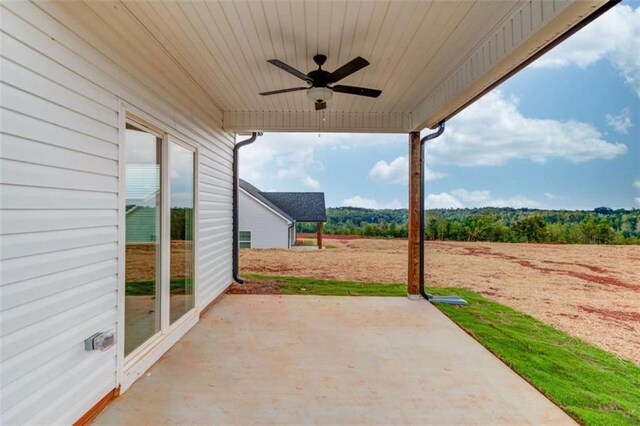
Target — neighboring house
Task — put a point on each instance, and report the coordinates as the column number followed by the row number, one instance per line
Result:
column 111, row 105
column 141, row 225
column 268, row 219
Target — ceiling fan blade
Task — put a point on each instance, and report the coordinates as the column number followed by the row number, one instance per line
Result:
column 353, row 90
column 348, row 69
column 291, row 70
column 275, row 92
column 320, row 105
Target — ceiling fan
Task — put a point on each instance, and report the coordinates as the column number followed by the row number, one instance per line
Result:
column 321, row 83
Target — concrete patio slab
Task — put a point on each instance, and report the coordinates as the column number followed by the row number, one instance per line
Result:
column 329, row 360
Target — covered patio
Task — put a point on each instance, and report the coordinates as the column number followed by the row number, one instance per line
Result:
column 293, row 360
column 94, row 91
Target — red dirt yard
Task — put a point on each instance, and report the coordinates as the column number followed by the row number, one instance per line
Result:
column 589, row 291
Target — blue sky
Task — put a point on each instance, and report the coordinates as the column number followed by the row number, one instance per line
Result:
column 563, row 133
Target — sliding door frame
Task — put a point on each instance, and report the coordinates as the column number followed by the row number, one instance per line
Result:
column 196, row 190
column 131, row 367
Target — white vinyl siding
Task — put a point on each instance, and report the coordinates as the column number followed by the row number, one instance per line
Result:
column 268, row 229
column 61, row 90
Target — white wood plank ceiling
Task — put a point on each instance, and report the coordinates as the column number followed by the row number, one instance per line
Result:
column 429, row 58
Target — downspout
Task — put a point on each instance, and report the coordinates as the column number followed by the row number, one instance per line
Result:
column 290, row 234
column 449, row 300
column 236, row 148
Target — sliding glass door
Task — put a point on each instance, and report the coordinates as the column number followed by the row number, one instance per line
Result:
column 181, row 272
column 159, row 234
column 143, row 151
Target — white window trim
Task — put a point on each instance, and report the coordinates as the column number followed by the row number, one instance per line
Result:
column 196, row 215
column 129, row 369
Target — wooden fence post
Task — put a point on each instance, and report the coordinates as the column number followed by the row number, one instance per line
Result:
column 319, row 234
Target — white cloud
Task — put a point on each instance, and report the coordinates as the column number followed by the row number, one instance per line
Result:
column 456, row 199
column 638, row 201
column 474, row 197
column 270, row 161
column 442, row 201
column 368, row 203
column 621, row 123
column 637, row 184
column 518, row 201
column 394, row 172
column 311, row 183
column 614, row 36
column 493, row 131
column 278, row 158
column 555, row 197
column 397, row 171
column 254, row 159
column 460, row 198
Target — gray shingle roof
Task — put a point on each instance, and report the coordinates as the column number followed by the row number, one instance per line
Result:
column 256, row 193
column 299, row 206
column 302, row 206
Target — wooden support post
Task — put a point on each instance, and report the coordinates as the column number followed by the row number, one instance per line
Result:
column 415, row 175
column 319, row 234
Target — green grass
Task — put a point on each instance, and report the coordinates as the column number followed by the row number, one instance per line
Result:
column 148, row 288
column 592, row 385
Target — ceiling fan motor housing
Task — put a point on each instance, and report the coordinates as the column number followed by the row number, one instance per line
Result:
column 319, row 77
column 318, row 90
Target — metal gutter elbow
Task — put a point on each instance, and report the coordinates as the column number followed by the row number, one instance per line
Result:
column 236, row 225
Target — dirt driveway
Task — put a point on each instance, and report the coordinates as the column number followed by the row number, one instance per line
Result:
column 592, row 292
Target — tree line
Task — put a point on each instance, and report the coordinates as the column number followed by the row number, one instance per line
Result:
column 600, row 226
column 182, row 223
column 145, row 220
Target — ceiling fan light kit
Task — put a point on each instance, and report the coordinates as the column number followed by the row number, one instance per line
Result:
column 319, row 91
column 319, row 94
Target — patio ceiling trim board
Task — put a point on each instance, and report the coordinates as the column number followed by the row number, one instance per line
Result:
column 311, row 121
